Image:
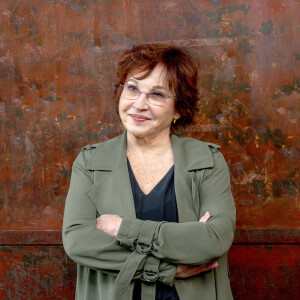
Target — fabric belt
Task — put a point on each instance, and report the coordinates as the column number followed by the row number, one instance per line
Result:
column 133, row 261
column 149, row 277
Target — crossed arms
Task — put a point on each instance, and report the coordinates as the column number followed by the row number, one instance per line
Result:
column 182, row 249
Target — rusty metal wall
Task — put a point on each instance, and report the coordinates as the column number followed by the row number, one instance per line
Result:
column 57, row 64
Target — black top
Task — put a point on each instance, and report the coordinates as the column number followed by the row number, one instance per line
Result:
column 158, row 205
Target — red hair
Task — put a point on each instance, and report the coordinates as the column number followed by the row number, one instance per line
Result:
column 182, row 65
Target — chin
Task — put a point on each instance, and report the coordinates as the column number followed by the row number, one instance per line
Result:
column 139, row 132
column 147, row 129
column 145, row 132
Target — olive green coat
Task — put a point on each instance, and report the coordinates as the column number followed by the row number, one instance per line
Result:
column 107, row 266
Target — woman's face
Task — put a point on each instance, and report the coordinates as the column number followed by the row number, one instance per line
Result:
column 140, row 117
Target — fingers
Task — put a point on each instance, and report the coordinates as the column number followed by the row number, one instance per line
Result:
column 205, row 217
column 109, row 223
column 208, row 267
column 186, row 271
column 179, row 269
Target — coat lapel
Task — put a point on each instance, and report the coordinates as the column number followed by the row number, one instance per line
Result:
column 111, row 191
column 190, row 155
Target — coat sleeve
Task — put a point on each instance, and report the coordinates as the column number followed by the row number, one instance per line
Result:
column 195, row 243
column 87, row 245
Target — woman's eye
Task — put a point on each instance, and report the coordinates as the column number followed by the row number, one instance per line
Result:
column 158, row 95
column 132, row 87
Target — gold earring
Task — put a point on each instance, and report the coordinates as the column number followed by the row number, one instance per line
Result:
column 175, row 119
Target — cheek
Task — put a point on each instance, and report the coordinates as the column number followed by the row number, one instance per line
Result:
column 124, row 105
column 164, row 118
column 169, row 114
column 121, row 108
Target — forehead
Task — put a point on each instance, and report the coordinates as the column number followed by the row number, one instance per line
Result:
column 156, row 77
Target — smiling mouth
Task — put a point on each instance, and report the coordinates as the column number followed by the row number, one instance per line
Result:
column 139, row 118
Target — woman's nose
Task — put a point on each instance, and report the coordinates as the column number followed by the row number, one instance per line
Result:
column 141, row 103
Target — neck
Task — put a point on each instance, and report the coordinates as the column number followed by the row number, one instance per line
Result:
column 151, row 144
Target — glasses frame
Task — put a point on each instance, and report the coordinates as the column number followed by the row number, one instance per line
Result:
column 139, row 93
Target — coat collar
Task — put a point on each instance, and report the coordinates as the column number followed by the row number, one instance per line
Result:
column 111, row 160
column 189, row 154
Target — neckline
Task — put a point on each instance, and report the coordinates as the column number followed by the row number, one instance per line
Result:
column 155, row 187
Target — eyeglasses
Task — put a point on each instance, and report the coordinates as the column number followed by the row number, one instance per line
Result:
column 131, row 92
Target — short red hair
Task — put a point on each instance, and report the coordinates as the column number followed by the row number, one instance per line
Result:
column 182, row 65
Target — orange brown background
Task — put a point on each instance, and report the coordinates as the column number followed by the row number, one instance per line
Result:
column 57, row 65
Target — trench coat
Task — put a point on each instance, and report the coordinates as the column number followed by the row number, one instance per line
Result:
column 108, row 266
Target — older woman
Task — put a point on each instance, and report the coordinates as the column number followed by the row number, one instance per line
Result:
column 149, row 214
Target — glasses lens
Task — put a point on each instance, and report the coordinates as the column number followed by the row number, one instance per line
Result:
column 131, row 91
column 156, row 99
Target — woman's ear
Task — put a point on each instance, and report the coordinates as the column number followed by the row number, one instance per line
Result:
column 176, row 117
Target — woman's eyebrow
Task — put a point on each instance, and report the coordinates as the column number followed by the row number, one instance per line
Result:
column 131, row 79
column 158, row 87
column 152, row 88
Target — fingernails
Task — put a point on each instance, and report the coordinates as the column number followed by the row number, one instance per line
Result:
column 215, row 264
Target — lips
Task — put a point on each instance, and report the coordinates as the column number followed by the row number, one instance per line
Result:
column 138, row 118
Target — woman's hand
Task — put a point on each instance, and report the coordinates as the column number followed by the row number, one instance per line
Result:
column 205, row 217
column 186, row 271
column 110, row 224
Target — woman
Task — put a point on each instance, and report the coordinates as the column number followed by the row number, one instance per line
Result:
column 149, row 214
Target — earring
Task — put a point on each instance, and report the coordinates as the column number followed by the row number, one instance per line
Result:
column 175, row 119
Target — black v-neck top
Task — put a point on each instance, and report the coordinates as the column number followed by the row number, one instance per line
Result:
column 158, row 205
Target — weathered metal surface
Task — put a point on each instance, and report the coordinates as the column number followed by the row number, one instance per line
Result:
column 57, row 63
column 242, row 236
column 30, row 237
column 265, row 272
column 36, row 273
column 44, row 272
